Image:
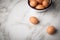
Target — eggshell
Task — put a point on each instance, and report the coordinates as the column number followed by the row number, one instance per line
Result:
column 45, row 3
column 33, row 3
column 34, row 20
column 32, row 0
column 51, row 30
column 39, row 7
column 39, row 1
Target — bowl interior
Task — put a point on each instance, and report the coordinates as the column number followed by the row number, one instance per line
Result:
column 39, row 9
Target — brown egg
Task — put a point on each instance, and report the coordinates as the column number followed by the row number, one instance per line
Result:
column 39, row 6
column 34, row 20
column 32, row 0
column 33, row 3
column 51, row 30
column 39, row 1
column 45, row 3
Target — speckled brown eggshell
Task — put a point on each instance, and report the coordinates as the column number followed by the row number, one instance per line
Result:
column 51, row 30
column 32, row 0
column 34, row 20
column 39, row 6
column 33, row 3
column 45, row 3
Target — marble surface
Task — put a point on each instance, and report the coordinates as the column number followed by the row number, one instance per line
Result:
column 15, row 24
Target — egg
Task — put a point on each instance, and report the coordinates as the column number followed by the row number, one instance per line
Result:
column 39, row 6
column 33, row 3
column 39, row 1
column 32, row 0
column 34, row 20
column 51, row 30
column 45, row 3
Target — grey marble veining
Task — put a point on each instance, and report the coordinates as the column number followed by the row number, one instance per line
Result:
column 5, row 7
column 15, row 25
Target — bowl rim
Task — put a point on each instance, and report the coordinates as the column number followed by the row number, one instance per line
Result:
column 39, row 9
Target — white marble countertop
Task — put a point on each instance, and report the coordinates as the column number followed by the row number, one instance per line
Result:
column 15, row 25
